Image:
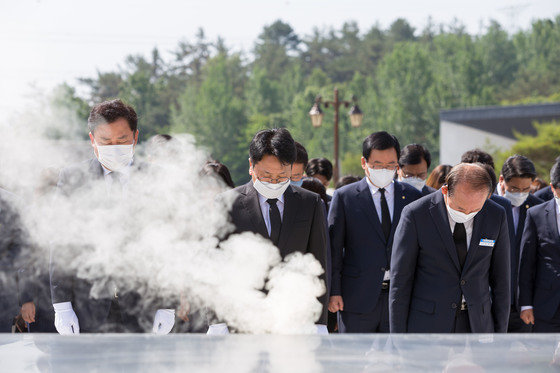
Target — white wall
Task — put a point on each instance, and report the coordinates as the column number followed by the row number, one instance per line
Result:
column 455, row 139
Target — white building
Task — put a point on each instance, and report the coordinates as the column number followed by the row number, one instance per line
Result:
column 488, row 128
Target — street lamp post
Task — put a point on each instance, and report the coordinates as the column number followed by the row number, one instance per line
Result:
column 316, row 115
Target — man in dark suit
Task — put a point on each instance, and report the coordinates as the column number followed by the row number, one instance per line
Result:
column 451, row 266
column 484, row 158
column 12, row 259
column 113, row 134
column 291, row 217
column 362, row 221
column 414, row 162
column 539, row 282
column 298, row 168
column 516, row 177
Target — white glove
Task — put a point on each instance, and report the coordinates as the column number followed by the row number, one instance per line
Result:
column 164, row 321
column 218, row 329
column 65, row 319
column 322, row 329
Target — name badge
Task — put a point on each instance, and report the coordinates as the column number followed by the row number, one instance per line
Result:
column 487, row 242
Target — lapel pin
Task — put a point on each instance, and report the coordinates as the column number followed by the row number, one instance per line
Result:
column 526, row 206
column 403, row 197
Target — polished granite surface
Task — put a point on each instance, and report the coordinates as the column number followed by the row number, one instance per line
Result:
column 276, row 353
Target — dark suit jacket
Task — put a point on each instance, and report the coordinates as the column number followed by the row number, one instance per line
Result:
column 506, row 205
column 539, row 272
column 65, row 285
column 516, row 243
column 11, row 262
column 427, row 190
column 545, row 193
column 360, row 254
column 303, row 224
column 426, row 280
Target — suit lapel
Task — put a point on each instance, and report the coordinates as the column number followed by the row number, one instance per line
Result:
column 368, row 207
column 399, row 201
column 292, row 204
column 250, row 200
column 551, row 219
column 521, row 222
column 439, row 214
column 478, row 223
column 95, row 168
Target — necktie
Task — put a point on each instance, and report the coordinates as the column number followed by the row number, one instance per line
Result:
column 460, row 239
column 116, row 186
column 385, row 216
column 275, row 220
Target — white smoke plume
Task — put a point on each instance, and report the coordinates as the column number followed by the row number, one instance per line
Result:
column 167, row 238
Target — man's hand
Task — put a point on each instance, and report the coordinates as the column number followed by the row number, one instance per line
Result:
column 528, row 317
column 336, row 303
column 28, row 312
column 184, row 309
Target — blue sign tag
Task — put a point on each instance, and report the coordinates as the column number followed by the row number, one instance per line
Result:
column 487, row 242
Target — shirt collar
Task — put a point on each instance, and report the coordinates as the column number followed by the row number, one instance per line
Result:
column 452, row 222
column 125, row 171
column 388, row 189
column 263, row 199
column 557, row 207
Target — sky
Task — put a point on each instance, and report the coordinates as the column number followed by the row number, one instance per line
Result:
column 47, row 42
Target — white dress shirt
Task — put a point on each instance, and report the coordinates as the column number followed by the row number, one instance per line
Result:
column 527, row 307
column 265, row 209
column 468, row 228
column 124, row 177
column 390, row 197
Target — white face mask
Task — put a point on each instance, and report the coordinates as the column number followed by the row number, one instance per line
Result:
column 458, row 216
column 115, row 157
column 381, row 178
column 557, row 199
column 269, row 190
column 415, row 182
column 516, row 199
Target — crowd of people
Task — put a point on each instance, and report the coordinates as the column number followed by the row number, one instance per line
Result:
column 404, row 250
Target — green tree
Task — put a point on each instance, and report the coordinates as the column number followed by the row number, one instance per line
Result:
column 402, row 101
column 497, row 54
column 274, row 48
column 214, row 113
column 542, row 148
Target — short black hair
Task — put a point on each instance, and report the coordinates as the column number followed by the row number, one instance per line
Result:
column 315, row 186
column 277, row 142
column 162, row 145
column 478, row 156
column 110, row 111
column 492, row 174
column 346, row 180
column 220, row 170
column 380, row 141
column 301, row 155
column 555, row 175
column 518, row 166
column 413, row 154
column 319, row 166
